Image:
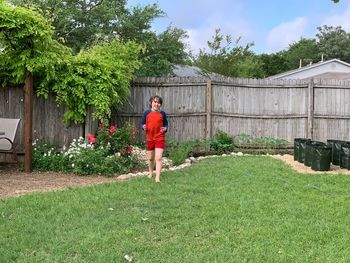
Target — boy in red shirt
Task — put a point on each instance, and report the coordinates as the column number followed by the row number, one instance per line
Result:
column 154, row 122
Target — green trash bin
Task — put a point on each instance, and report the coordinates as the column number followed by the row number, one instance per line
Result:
column 336, row 151
column 345, row 156
column 297, row 142
column 309, row 151
column 330, row 143
column 321, row 160
column 302, row 148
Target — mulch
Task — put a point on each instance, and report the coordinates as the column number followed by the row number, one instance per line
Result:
column 15, row 183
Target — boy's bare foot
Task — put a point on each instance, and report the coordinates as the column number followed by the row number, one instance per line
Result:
column 157, row 181
column 149, row 176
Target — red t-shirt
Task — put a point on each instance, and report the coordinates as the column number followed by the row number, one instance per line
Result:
column 154, row 121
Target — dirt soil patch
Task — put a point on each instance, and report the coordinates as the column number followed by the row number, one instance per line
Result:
column 301, row 168
column 16, row 183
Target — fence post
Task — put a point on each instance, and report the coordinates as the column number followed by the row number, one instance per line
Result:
column 310, row 112
column 208, row 126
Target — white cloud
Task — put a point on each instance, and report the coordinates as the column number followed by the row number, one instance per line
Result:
column 286, row 33
column 234, row 27
column 339, row 20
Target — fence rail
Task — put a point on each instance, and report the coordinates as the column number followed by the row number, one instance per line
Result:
column 199, row 107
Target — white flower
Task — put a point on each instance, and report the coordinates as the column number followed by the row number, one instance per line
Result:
column 73, row 165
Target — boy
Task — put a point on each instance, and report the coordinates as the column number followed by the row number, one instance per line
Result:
column 154, row 122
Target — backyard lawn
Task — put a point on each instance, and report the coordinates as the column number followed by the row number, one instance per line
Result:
column 227, row 209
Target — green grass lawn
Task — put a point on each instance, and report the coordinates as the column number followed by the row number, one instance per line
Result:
column 227, row 209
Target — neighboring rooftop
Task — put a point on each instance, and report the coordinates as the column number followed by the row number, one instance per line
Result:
column 191, row 71
column 330, row 69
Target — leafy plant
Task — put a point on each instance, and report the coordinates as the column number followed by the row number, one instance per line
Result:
column 178, row 154
column 222, row 142
column 243, row 140
column 118, row 139
column 111, row 153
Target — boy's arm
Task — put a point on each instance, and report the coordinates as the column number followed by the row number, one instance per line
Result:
column 165, row 121
column 143, row 119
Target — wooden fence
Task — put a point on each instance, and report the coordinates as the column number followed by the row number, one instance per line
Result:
column 287, row 109
column 199, row 107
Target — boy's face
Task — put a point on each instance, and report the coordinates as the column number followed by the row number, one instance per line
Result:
column 156, row 104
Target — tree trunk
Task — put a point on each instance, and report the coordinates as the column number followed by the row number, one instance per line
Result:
column 28, row 122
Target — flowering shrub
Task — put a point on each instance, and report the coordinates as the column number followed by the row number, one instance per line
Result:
column 118, row 139
column 111, row 152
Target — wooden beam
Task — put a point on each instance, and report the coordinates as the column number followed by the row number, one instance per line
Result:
column 310, row 113
column 28, row 122
column 208, row 110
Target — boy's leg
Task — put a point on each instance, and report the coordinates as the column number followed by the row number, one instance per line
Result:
column 158, row 158
column 150, row 163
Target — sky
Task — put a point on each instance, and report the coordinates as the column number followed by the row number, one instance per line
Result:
column 272, row 25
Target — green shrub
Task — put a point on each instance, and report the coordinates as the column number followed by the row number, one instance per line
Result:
column 243, row 139
column 222, row 142
column 118, row 139
column 47, row 158
column 178, row 154
column 109, row 153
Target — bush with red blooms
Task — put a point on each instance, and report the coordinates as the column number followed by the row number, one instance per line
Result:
column 116, row 139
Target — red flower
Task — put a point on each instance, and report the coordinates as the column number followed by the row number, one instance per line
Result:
column 112, row 129
column 91, row 138
column 128, row 149
column 133, row 132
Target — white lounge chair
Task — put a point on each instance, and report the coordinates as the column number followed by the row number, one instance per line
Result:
column 8, row 129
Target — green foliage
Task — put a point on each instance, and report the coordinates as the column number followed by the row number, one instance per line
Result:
column 227, row 58
column 117, row 139
column 79, row 23
column 273, row 64
column 178, row 154
column 110, row 154
column 243, row 140
column 162, row 52
column 26, row 42
column 222, row 142
column 334, row 42
column 102, row 21
column 47, row 158
column 305, row 50
column 98, row 78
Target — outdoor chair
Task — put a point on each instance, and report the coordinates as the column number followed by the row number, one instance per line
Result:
column 8, row 129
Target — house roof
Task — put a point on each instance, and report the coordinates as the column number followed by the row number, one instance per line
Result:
column 333, row 68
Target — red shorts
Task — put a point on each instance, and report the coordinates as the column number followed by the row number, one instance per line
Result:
column 151, row 145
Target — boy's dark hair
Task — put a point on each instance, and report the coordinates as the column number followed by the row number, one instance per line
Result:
column 155, row 97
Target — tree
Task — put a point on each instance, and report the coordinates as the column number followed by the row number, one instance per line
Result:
column 163, row 51
column 227, row 59
column 97, row 78
column 333, row 42
column 26, row 46
column 80, row 24
column 305, row 51
column 273, row 64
